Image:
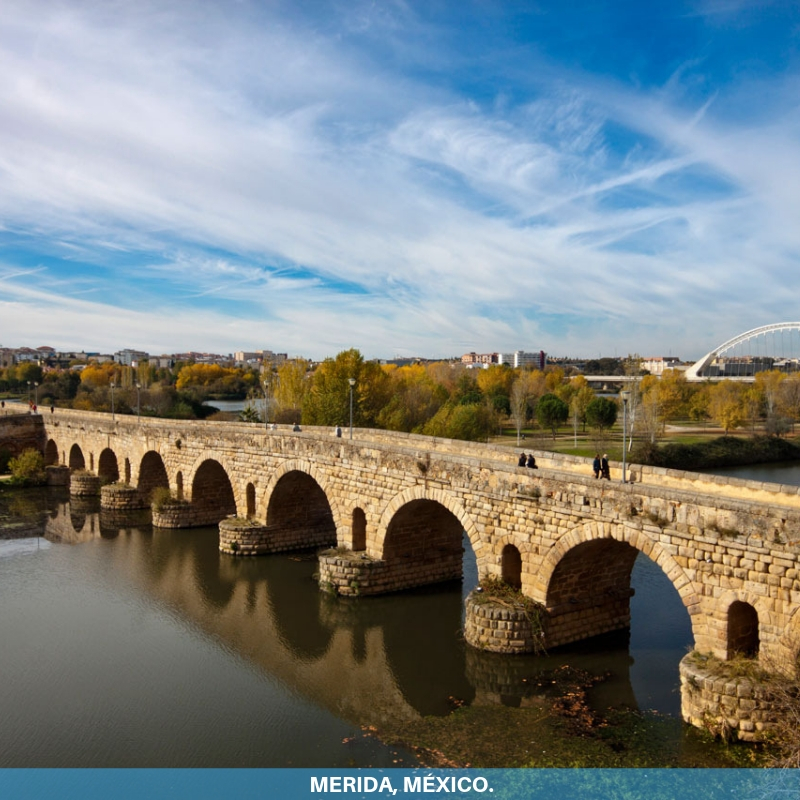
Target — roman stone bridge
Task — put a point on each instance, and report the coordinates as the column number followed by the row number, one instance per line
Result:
column 394, row 507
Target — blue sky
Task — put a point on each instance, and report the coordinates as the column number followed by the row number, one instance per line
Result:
column 406, row 178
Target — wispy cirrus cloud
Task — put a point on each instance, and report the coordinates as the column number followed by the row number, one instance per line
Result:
column 255, row 177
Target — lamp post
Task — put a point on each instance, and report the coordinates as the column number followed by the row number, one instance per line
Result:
column 352, row 382
column 266, row 404
column 36, row 394
column 138, row 406
column 625, row 395
column 113, row 417
column 29, row 395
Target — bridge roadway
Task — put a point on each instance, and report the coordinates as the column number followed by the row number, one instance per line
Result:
column 395, row 506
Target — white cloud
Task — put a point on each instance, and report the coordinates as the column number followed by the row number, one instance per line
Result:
column 249, row 159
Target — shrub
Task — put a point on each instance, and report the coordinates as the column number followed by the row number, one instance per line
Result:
column 161, row 497
column 27, row 469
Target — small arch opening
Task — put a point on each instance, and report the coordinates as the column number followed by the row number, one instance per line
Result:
column 359, row 529
column 179, row 485
column 251, row 500
column 511, row 565
column 742, row 630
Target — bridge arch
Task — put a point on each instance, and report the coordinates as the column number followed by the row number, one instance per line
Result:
column 282, row 511
column 50, row 453
column 76, row 457
column 152, row 474
column 581, row 559
column 695, row 372
column 417, row 493
column 107, row 466
column 212, row 496
column 188, row 480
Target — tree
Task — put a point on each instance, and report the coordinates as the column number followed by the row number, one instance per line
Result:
column 526, row 387
column 28, row 468
column 552, row 412
column 725, row 405
column 473, row 423
column 328, row 399
column 601, row 413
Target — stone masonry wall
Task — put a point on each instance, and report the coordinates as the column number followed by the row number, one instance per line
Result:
column 498, row 628
column 240, row 537
column 718, row 541
column 731, row 706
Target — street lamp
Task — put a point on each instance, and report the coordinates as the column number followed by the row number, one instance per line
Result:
column 266, row 404
column 29, row 395
column 112, row 384
column 138, row 407
column 352, row 382
column 625, row 395
column 36, row 394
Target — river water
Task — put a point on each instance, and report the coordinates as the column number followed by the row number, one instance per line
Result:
column 125, row 646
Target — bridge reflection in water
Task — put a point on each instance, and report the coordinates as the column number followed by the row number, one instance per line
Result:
column 385, row 658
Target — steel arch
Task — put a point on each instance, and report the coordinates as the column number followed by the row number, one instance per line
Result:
column 695, row 371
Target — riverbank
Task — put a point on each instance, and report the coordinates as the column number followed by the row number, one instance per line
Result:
column 561, row 730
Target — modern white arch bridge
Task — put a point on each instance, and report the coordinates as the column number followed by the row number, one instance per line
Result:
column 393, row 508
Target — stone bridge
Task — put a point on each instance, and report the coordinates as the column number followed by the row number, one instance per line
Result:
column 395, row 507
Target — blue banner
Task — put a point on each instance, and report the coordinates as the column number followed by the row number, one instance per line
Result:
column 470, row 784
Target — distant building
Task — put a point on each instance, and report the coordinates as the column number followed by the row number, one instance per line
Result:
column 471, row 359
column 521, row 358
column 657, row 364
column 243, row 357
column 129, row 357
column 273, row 359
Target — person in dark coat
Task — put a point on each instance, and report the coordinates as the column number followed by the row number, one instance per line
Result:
column 596, row 465
column 522, row 460
column 531, row 464
column 604, row 468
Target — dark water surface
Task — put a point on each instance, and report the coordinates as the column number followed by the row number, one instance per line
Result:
column 128, row 646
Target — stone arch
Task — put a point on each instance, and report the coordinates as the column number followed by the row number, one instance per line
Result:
column 238, row 490
column 212, row 493
column 76, row 459
column 107, row 467
column 319, row 477
column 359, row 529
column 50, row 453
column 152, row 474
column 443, row 499
column 299, row 511
column 599, row 556
column 511, row 566
column 250, row 493
column 774, row 631
column 421, row 538
column 742, row 630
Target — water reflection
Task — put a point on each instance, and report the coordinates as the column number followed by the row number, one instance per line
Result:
column 362, row 662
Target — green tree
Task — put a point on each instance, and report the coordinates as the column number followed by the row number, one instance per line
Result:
column 28, row 468
column 552, row 412
column 473, row 423
column 328, row 400
column 601, row 413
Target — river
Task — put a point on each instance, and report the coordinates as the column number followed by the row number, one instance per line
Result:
column 125, row 646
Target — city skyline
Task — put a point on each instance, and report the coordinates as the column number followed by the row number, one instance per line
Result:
column 403, row 178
